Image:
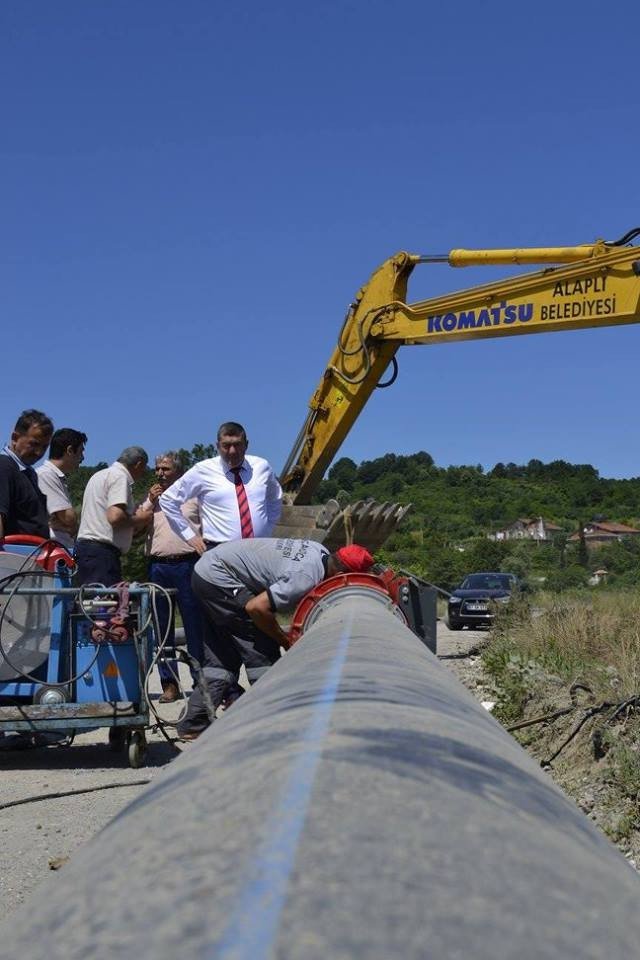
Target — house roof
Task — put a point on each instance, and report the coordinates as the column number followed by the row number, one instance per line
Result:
column 528, row 521
column 606, row 528
column 612, row 527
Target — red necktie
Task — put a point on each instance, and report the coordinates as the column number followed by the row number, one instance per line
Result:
column 246, row 526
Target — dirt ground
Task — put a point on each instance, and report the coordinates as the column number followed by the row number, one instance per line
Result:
column 40, row 836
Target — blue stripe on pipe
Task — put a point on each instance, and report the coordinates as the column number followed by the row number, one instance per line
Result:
column 253, row 927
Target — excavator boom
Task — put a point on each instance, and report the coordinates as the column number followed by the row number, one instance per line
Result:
column 596, row 285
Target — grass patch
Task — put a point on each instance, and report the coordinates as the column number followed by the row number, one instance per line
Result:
column 623, row 765
column 593, row 638
column 578, row 652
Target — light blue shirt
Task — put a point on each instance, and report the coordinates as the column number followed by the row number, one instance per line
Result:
column 14, row 456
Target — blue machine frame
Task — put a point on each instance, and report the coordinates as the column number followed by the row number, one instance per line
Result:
column 102, row 682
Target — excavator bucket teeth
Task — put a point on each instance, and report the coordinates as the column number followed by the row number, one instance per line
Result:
column 366, row 522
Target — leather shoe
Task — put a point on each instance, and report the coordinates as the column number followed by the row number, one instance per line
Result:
column 170, row 692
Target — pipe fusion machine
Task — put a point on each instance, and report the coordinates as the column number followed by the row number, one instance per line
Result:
column 71, row 658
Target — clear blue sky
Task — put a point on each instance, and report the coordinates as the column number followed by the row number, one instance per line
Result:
column 193, row 192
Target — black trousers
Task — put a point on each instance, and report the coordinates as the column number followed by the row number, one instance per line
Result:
column 97, row 562
column 231, row 639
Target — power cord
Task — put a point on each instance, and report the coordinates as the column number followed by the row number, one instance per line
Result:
column 72, row 793
column 152, row 619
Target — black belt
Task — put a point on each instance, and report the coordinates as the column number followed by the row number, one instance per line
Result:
column 175, row 558
column 102, row 543
column 210, row 544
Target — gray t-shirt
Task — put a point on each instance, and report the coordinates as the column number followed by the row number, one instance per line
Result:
column 286, row 569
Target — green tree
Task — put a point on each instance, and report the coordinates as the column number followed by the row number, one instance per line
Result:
column 344, row 473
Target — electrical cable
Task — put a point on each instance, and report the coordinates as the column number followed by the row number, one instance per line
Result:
column 162, row 722
column 138, row 632
column 426, row 583
column 73, row 793
column 19, row 576
column 184, row 658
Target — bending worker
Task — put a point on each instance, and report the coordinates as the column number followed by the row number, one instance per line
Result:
column 241, row 586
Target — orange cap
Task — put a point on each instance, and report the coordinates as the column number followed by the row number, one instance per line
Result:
column 355, row 558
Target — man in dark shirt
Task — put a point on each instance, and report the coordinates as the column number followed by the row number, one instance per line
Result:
column 23, row 508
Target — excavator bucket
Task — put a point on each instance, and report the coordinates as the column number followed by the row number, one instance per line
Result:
column 366, row 522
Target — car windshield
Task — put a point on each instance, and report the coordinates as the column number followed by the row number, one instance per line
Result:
column 488, row 581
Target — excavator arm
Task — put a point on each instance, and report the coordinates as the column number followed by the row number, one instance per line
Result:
column 589, row 285
column 352, row 374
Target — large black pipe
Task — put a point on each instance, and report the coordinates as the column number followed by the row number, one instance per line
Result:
column 356, row 803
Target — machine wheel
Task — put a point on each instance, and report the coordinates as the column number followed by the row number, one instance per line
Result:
column 137, row 748
column 454, row 624
column 117, row 739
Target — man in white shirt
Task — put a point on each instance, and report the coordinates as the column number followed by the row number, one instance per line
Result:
column 66, row 453
column 108, row 520
column 238, row 495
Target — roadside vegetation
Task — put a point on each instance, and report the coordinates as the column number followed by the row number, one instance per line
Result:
column 563, row 672
column 587, row 637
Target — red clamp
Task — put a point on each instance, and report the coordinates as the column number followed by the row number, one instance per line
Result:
column 385, row 582
column 48, row 557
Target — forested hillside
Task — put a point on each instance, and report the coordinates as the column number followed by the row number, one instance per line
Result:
column 454, row 508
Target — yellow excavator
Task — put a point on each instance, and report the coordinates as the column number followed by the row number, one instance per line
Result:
column 589, row 285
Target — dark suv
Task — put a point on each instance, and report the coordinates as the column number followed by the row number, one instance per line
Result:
column 474, row 602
